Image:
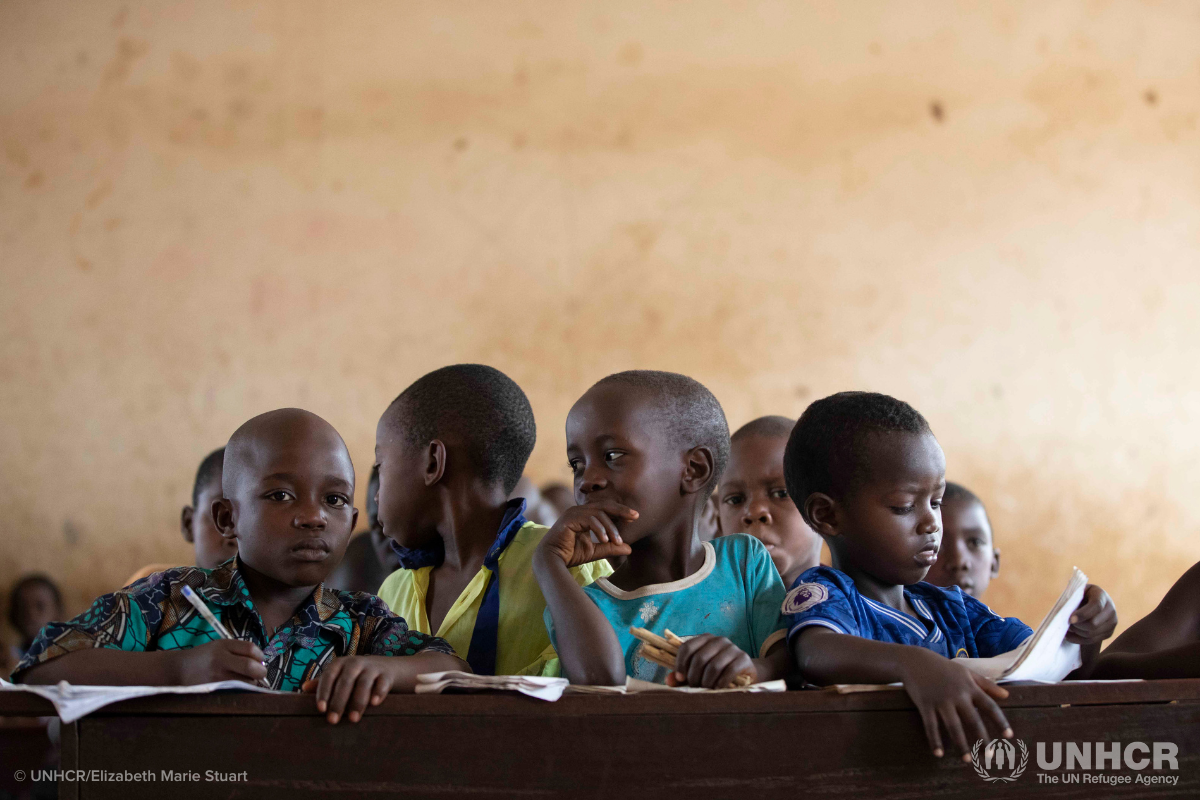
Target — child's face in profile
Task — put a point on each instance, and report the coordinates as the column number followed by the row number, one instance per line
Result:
column 380, row 542
column 212, row 549
column 967, row 558
column 293, row 507
column 890, row 525
column 401, row 486
column 753, row 499
column 36, row 607
column 617, row 450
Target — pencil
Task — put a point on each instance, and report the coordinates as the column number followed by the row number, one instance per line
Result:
column 662, row 651
column 208, row 616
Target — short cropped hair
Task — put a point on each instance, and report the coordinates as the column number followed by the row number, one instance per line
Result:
column 827, row 449
column 692, row 415
column 482, row 407
column 773, row 427
column 210, row 470
column 956, row 491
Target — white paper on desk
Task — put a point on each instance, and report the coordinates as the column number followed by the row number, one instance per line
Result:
column 72, row 702
column 1043, row 656
column 634, row 685
column 587, row 688
column 549, row 689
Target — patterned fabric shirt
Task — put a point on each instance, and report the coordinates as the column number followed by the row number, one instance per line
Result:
column 152, row 614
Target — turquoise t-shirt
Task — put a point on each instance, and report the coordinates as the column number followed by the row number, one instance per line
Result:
column 737, row 594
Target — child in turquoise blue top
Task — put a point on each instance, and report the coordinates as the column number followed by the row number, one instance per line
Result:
column 646, row 449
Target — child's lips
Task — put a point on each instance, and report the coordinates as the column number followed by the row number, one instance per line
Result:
column 311, row 550
column 927, row 555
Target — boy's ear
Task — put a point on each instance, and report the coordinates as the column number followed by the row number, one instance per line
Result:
column 699, row 467
column 185, row 524
column 822, row 510
column 995, row 562
column 435, row 462
column 222, row 513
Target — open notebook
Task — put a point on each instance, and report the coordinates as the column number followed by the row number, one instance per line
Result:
column 1043, row 656
column 74, row 701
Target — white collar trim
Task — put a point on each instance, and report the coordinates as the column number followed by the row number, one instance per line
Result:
column 710, row 561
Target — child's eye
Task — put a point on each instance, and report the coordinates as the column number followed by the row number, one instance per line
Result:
column 936, row 503
column 734, row 500
column 612, row 455
column 902, row 509
column 279, row 495
column 779, row 494
column 574, row 464
column 975, row 542
column 337, row 501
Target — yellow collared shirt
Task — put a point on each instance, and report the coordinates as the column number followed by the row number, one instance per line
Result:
column 522, row 643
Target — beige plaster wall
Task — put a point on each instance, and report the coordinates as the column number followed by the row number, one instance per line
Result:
column 990, row 209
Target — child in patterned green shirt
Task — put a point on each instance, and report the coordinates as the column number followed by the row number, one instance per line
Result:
column 287, row 488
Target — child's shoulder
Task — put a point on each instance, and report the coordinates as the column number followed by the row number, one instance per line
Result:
column 740, row 547
column 358, row 604
column 816, row 585
column 160, row 583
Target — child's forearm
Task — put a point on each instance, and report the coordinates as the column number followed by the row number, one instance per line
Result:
column 825, row 657
column 105, row 667
column 586, row 644
column 405, row 669
column 1175, row 662
column 775, row 664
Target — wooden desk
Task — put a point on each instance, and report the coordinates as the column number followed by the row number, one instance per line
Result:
column 799, row 744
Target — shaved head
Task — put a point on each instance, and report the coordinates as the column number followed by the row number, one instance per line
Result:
column 288, row 486
column 259, row 440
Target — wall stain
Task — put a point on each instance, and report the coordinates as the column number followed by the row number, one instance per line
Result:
column 128, row 52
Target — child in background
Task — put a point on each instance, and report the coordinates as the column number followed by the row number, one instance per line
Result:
column 709, row 525
column 196, row 521
column 753, row 497
column 646, row 449
column 450, row 450
column 537, row 510
column 558, row 496
column 1163, row 644
column 362, row 568
column 380, row 541
column 287, row 490
column 868, row 475
column 34, row 602
column 967, row 557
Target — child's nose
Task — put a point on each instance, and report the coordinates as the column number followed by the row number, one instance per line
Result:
column 757, row 512
column 957, row 558
column 310, row 516
column 592, row 481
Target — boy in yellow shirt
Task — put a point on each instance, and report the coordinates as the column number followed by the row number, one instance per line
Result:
column 450, row 449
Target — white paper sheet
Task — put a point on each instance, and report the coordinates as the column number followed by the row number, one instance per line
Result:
column 72, row 702
column 634, row 685
column 549, row 689
column 1043, row 656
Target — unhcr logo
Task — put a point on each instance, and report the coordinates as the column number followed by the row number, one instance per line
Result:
column 1002, row 761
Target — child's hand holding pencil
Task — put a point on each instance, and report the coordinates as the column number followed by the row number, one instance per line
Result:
column 712, row 662
column 223, row 660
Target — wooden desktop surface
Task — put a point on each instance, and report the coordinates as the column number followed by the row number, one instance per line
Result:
column 798, row 744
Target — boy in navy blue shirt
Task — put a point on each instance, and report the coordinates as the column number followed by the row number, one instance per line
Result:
column 868, row 475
